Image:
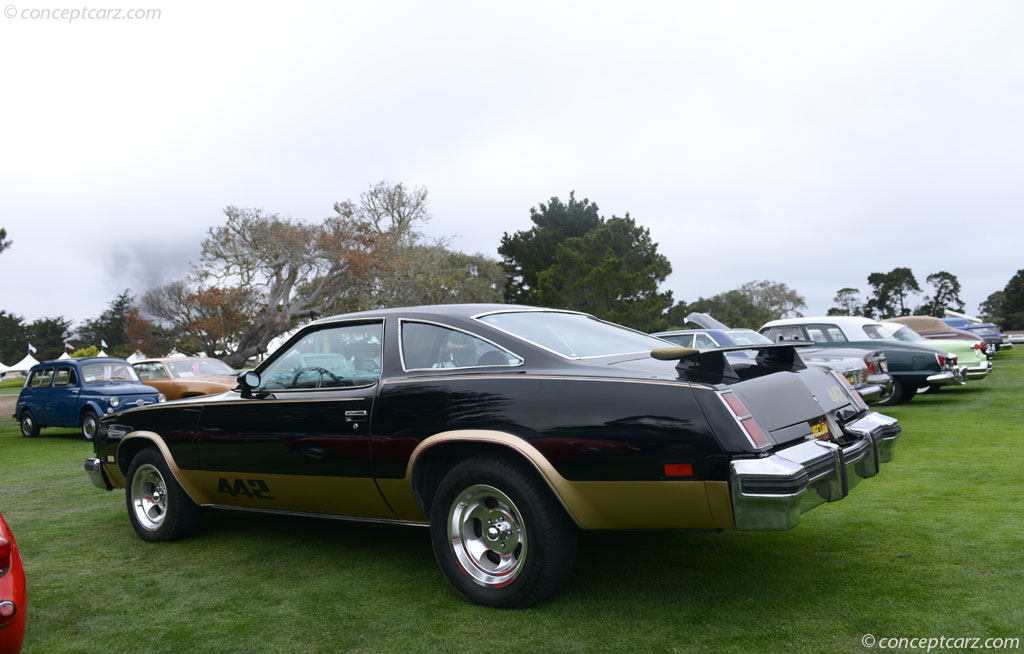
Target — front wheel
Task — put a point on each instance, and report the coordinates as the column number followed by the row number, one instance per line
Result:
column 499, row 535
column 29, row 426
column 159, row 508
column 89, row 424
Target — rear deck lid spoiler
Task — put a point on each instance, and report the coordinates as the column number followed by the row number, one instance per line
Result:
column 779, row 356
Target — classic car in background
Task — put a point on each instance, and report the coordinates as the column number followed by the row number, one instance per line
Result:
column 864, row 369
column 178, row 377
column 970, row 353
column 937, row 330
column 911, row 365
column 990, row 332
column 504, row 429
column 76, row 392
column 13, row 596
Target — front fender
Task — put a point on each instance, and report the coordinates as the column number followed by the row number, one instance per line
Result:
column 137, row 441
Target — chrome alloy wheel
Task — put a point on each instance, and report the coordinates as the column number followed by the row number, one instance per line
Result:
column 89, row 425
column 27, row 425
column 149, row 497
column 487, row 536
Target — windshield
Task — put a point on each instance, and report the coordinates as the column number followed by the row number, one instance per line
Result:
column 194, row 367
column 97, row 373
column 748, row 337
column 572, row 335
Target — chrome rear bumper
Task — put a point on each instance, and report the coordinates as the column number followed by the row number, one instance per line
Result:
column 978, row 372
column 772, row 492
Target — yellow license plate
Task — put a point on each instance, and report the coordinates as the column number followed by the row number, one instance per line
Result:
column 820, row 430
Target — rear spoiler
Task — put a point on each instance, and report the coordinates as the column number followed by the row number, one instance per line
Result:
column 781, row 356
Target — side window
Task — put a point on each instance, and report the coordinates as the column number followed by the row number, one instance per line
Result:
column 332, row 357
column 426, row 347
column 41, row 378
column 704, row 342
column 64, row 377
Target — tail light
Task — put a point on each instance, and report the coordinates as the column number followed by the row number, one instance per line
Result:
column 745, row 420
column 8, row 610
column 5, row 555
column 942, row 360
column 855, row 397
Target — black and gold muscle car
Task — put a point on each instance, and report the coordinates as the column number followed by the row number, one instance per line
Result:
column 504, row 429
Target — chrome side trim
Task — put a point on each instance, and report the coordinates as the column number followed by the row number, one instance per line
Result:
column 524, row 376
column 328, row 516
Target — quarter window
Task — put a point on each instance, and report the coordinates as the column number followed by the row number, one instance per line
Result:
column 427, row 347
column 332, row 357
column 682, row 340
column 40, row 378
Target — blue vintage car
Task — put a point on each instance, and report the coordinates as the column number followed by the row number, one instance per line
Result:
column 76, row 392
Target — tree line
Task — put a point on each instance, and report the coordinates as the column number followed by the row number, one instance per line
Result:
column 892, row 295
column 260, row 274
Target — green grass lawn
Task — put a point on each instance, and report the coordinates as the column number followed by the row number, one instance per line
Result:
column 11, row 386
column 933, row 546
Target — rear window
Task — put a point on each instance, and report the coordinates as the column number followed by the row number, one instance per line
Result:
column 572, row 335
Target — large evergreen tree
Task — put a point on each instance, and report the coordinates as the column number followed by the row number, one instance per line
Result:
column 612, row 272
column 526, row 254
column 110, row 326
column 946, row 295
column 1013, row 302
column 891, row 291
column 48, row 336
column 13, row 338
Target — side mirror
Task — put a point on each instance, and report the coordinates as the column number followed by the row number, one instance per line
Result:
column 248, row 380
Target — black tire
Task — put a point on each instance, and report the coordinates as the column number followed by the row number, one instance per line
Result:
column 499, row 535
column 89, row 423
column 900, row 393
column 160, row 510
column 29, row 426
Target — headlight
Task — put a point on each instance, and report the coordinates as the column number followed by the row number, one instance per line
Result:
column 161, row 398
column 115, row 402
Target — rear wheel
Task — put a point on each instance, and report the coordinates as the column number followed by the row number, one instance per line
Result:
column 499, row 535
column 89, row 424
column 160, row 510
column 901, row 392
column 29, row 427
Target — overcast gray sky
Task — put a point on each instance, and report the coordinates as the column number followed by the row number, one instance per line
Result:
column 810, row 143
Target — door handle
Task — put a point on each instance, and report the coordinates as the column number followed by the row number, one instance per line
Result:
column 353, row 416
